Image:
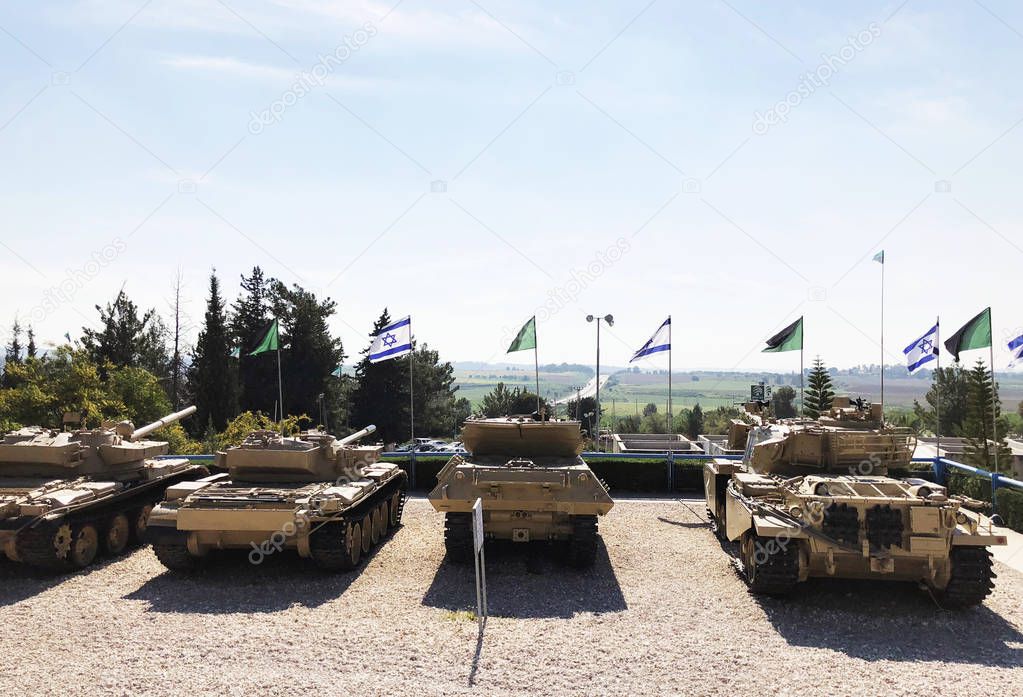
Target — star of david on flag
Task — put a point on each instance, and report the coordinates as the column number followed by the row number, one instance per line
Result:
column 392, row 341
column 922, row 351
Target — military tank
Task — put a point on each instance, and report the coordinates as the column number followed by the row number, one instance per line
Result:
column 323, row 497
column 814, row 499
column 533, row 483
column 66, row 497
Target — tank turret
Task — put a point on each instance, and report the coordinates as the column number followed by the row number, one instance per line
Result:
column 67, row 496
column 115, row 448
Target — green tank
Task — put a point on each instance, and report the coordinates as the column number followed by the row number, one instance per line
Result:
column 533, row 483
column 815, row 499
column 68, row 497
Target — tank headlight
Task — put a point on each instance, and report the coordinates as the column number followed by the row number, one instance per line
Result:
column 821, row 490
column 961, row 518
column 583, row 477
column 459, row 475
column 796, row 512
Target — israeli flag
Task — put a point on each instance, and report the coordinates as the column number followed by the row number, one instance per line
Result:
column 660, row 341
column 923, row 350
column 392, row 341
column 1016, row 347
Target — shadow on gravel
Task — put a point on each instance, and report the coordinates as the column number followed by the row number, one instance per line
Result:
column 529, row 581
column 887, row 620
column 20, row 582
column 229, row 583
column 684, row 523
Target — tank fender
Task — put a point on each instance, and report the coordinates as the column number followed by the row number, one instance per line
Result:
column 773, row 526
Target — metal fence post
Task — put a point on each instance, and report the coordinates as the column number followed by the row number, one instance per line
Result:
column 994, row 489
column 940, row 473
column 671, row 471
column 412, row 469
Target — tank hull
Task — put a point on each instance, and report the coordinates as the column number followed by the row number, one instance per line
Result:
column 42, row 523
column 219, row 513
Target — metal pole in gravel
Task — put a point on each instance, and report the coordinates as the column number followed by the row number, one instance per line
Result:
column 481, row 571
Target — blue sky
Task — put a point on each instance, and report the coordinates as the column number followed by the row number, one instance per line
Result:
column 474, row 163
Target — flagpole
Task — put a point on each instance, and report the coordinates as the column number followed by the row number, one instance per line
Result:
column 536, row 366
column 937, row 391
column 882, row 338
column 802, row 401
column 671, row 425
column 280, row 384
column 994, row 404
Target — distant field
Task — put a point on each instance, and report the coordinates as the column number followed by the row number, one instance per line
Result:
column 710, row 390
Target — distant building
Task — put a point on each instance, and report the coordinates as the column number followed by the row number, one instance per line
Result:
column 717, row 445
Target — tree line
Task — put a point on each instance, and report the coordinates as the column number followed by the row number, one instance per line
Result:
column 133, row 364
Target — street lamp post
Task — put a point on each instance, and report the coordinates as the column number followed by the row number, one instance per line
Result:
column 610, row 322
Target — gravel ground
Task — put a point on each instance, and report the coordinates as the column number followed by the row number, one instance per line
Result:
column 663, row 612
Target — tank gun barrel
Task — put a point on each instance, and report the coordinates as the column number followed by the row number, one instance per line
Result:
column 357, row 435
column 165, row 421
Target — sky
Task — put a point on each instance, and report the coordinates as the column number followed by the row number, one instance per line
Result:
column 733, row 164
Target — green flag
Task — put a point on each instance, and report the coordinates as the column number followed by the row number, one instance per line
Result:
column 337, row 371
column 788, row 339
column 270, row 342
column 974, row 335
column 526, row 338
column 236, row 352
column 879, row 257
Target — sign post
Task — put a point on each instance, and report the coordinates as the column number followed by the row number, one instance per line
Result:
column 478, row 555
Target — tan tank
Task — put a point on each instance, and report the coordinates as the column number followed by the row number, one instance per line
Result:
column 65, row 497
column 813, row 498
column 328, row 499
column 533, row 483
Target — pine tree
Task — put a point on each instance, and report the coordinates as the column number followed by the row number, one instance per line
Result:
column 381, row 395
column 126, row 339
column 31, row 350
column 250, row 316
column 982, row 410
column 211, row 379
column 312, row 353
column 435, row 389
column 819, row 395
column 12, row 354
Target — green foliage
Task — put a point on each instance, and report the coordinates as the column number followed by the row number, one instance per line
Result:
column 783, row 400
column 125, row 339
column 982, row 412
column 716, row 422
column 211, row 379
column 1010, row 507
column 649, row 409
column 250, row 318
column 12, row 355
column 436, row 411
column 504, row 402
column 949, row 392
column 820, row 393
column 243, row 424
column 694, row 422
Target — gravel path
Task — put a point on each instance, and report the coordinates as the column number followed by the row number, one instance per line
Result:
column 663, row 612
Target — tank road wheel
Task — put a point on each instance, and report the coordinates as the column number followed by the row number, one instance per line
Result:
column 770, row 567
column 582, row 548
column 84, row 545
column 177, row 557
column 367, row 532
column 379, row 521
column 396, row 508
column 353, row 544
column 374, row 525
column 972, row 578
column 458, row 537
column 116, row 535
column 45, row 547
column 331, row 544
column 139, row 519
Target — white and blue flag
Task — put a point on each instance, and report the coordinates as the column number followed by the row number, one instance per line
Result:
column 1016, row 347
column 660, row 341
column 923, row 350
column 392, row 341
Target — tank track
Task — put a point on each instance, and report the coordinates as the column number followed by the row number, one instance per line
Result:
column 582, row 548
column 402, row 500
column 458, row 537
column 773, row 568
column 176, row 557
column 972, row 578
column 328, row 546
column 35, row 548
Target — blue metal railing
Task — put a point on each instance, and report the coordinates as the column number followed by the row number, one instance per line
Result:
column 940, row 465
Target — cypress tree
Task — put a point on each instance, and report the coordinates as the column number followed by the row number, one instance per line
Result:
column 211, row 378
column 257, row 375
column 982, row 410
